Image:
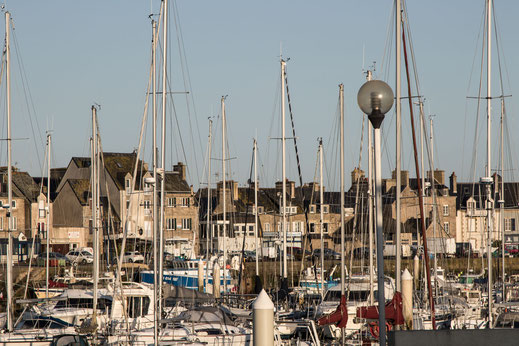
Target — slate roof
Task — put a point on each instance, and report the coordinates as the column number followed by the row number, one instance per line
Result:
column 24, row 185
column 175, row 183
column 118, row 165
column 56, row 174
column 81, row 188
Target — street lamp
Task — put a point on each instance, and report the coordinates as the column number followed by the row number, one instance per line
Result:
column 375, row 98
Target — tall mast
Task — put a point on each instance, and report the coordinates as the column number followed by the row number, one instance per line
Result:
column 256, row 234
column 489, row 162
column 398, row 142
column 209, row 232
column 321, row 199
column 48, row 219
column 341, row 105
column 93, row 170
column 9, row 268
column 434, row 208
column 502, row 199
column 224, row 198
column 163, row 151
column 283, row 140
column 370, row 207
column 154, row 151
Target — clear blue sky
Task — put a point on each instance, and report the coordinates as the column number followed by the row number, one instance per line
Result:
column 79, row 53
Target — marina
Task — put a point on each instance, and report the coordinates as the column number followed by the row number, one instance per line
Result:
column 156, row 240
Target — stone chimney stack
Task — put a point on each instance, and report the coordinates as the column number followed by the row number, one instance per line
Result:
column 453, row 184
column 357, row 174
column 404, row 176
column 180, row 168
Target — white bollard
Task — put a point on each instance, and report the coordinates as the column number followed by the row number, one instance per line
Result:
column 216, row 280
column 416, row 267
column 407, row 298
column 263, row 320
column 201, row 276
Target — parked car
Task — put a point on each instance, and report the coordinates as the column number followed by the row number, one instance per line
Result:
column 80, row 257
column 133, row 257
column 55, row 259
column 329, row 254
column 249, row 256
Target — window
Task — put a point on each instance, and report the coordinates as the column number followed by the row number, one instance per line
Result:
column 471, row 205
column 127, row 204
column 312, row 209
column 171, row 201
column 41, row 209
column 186, row 201
column 171, row 223
column 42, row 232
column 446, row 227
column 312, row 227
column 260, row 210
column 147, row 204
column 13, row 203
column 14, row 223
column 267, row 227
column 1, row 223
column 325, row 227
column 510, row 224
column 445, row 210
column 237, row 230
column 251, row 230
column 293, row 210
column 127, row 185
column 186, row 223
column 326, row 209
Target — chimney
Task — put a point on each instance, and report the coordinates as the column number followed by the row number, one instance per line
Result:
column 290, row 186
column 453, row 184
column 181, row 169
column 439, row 176
column 404, row 177
column 356, row 174
column 231, row 189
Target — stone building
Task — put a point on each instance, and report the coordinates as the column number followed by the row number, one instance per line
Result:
column 24, row 193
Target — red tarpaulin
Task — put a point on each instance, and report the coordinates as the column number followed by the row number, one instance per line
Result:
column 339, row 316
column 393, row 310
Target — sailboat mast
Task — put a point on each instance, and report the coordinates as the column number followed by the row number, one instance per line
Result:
column 209, row 231
column 256, row 234
column 398, row 28
column 9, row 267
column 224, row 198
column 48, row 219
column 321, row 199
column 502, row 200
column 93, row 167
column 341, row 105
column 489, row 162
column 154, row 151
column 163, row 152
column 283, row 140
column 434, row 208
column 370, row 206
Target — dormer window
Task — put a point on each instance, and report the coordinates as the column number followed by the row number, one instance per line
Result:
column 128, row 184
column 312, row 209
